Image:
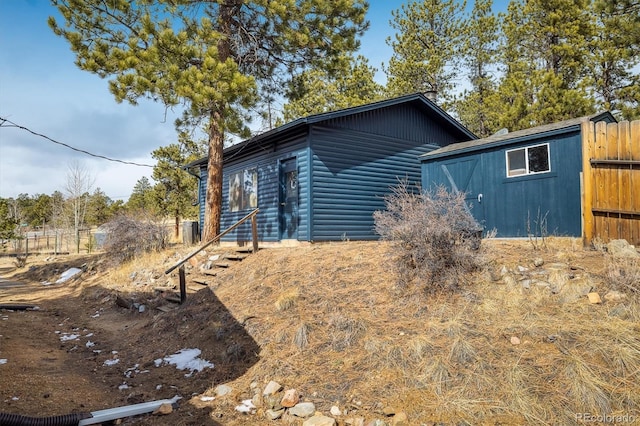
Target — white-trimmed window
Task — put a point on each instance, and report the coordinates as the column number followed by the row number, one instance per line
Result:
column 243, row 190
column 528, row 161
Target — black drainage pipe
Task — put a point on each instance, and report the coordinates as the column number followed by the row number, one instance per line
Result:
column 7, row 419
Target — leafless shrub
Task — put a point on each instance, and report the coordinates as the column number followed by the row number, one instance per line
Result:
column 128, row 237
column 624, row 273
column 287, row 299
column 435, row 237
column 301, row 339
column 20, row 261
column 538, row 232
column 345, row 331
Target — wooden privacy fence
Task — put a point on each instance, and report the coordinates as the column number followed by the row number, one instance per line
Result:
column 611, row 181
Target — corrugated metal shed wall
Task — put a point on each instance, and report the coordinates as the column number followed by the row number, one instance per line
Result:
column 353, row 170
column 509, row 203
column 266, row 159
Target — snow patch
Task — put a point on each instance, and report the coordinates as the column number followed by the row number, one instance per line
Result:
column 67, row 336
column 246, row 407
column 68, row 274
column 185, row 359
column 111, row 362
column 3, row 361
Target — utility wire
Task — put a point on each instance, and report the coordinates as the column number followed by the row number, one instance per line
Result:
column 12, row 124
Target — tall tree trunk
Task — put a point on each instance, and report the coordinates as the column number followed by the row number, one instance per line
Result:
column 213, row 207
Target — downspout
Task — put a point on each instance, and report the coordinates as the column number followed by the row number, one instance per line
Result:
column 81, row 419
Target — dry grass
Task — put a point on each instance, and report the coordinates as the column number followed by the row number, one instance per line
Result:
column 343, row 330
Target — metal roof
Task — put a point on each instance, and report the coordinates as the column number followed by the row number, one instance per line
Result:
column 417, row 98
column 517, row 136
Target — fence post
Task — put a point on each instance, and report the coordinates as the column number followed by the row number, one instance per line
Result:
column 588, row 137
column 183, row 285
column 254, row 232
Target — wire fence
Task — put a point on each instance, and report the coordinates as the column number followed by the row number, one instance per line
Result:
column 66, row 241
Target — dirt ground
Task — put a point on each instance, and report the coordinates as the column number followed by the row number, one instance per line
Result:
column 81, row 351
column 111, row 363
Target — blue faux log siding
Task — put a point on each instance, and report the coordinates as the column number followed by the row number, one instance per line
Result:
column 352, row 171
column 267, row 161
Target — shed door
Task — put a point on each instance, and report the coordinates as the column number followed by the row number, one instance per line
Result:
column 288, row 199
column 465, row 175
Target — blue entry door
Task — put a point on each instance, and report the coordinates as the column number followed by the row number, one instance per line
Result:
column 288, row 199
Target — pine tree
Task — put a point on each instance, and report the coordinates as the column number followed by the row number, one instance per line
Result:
column 317, row 91
column 425, row 48
column 212, row 57
column 615, row 55
column 476, row 107
column 545, row 67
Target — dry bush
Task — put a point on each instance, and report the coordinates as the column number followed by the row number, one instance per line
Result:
column 287, row 299
column 128, row 237
column 434, row 236
column 624, row 273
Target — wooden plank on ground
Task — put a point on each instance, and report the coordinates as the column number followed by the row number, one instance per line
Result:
column 209, row 272
column 200, row 281
column 221, row 265
column 235, row 256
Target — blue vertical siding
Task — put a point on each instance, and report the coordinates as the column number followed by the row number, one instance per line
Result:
column 512, row 205
column 352, row 171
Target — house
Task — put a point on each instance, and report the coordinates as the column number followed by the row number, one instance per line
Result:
column 320, row 178
column 522, row 183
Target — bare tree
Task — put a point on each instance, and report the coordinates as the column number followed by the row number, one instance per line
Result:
column 78, row 187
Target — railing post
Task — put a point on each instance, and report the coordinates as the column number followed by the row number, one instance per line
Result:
column 254, row 232
column 183, row 285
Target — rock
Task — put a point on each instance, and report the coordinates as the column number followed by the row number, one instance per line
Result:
column 193, row 262
column 222, row 390
column 388, row 411
column 508, row 279
column 320, row 421
column 526, row 284
column 291, row 397
column 354, row 421
column 303, row 409
column 335, row 411
column 272, row 388
column 164, row 409
column 377, row 422
column 575, row 290
column 515, row 340
column 614, row 296
column 542, row 284
column 214, row 257
column 273, row 401
column 274, row 414
column 594, row 298
column 621, row 248
column 538, row 262
column 142, row 308
column 522, row 269
column 400, row 419
column 504, row 270
column 257, row 400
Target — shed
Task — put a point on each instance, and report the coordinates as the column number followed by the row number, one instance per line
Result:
column 519, row 184
column 320, row 178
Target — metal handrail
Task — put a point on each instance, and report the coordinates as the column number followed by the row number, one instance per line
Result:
column 217, row 237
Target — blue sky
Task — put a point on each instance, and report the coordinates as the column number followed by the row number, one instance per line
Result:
column 42, row 89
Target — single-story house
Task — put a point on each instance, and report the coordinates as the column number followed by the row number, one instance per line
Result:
column 519, row 184
column 320, row 178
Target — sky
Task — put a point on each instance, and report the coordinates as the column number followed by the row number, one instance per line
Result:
column 42, row 90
